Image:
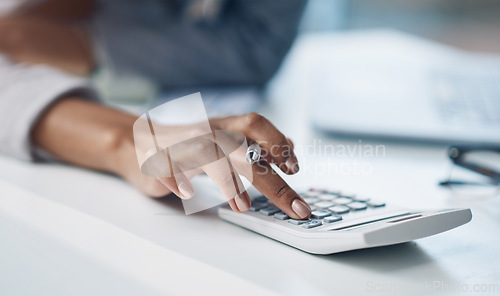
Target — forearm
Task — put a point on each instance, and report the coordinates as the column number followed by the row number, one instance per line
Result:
column 96, row 137
column 101, row 138
column 84, row 133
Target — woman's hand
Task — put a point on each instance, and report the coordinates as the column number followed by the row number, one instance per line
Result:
column 101, row 138
column 277, row 149
column 179, row 152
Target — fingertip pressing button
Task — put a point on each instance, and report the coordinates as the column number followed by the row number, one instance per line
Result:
column 301, row 209
column 332, row 219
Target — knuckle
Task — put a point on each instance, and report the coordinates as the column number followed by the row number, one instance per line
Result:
column 281, row 191
column 253, row 119
column 282, row 142
column 283, row 147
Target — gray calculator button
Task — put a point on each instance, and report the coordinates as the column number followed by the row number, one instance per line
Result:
column 281, row 216
column 269, row 211
column 326, row 196
column 375, row 204
column 258, row 206
column 357, row 206
column 312, row 224
column 339, row 209
column 309, row 194
column 324, row 204
column 260, row 198
column 348, row 194
column 311, row 200
column 298, row 222
column 361, row 198
column 334, row 192
column 332, row 219
column 342, row 200
column 320, row 214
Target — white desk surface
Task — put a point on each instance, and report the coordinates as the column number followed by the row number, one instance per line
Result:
column 157, row 246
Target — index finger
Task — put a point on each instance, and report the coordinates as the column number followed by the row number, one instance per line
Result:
column 271, row 185
column 261, row 130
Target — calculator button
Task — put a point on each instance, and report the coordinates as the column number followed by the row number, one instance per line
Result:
column 361, row 198
column 375, row 204
column 311, row 200
column 312, row 224
column 269, row 211
column 258, row 206
column 298, row 222
column 339, row 209
column 309, row 194
column 281, row 216
column 332, row 219
column 357, row 206
column 260, row 198
column 324, row 204
column 348, row 194
column 326, row 196
column 319, row 214
column 342, row 200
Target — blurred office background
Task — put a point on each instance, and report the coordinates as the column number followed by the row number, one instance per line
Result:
column 317, row 66
column 467, row 24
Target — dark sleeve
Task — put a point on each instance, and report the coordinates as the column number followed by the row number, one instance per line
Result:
column 245, row 47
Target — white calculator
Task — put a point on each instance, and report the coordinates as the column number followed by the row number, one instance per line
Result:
column 342, row 222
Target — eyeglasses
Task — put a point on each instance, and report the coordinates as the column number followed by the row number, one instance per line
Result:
column 475, row 172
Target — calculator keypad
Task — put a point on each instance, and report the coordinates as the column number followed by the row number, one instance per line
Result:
column 339, row 210
column 375, row 204
column 357, row 206
column 320, row 214
column 298, row 222
column 331, row 219
column 281, row 216
column 312, row 224
column 342, row 200
column 257, row 206
column 327, row 206
column 271, row 210
column 324, row 204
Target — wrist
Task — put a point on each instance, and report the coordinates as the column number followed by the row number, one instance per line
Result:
column 122, row 152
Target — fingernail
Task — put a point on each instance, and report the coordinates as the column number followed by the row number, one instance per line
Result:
column 292, row 165
column 186, row 190
column 301, row 209
column 242, row 203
